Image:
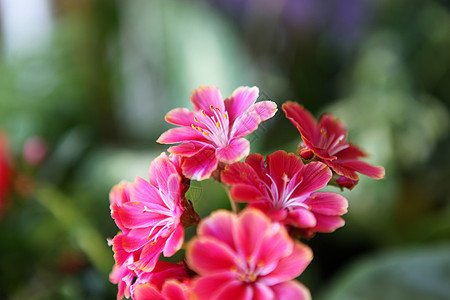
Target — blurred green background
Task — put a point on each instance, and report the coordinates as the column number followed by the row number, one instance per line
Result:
column 94, row 79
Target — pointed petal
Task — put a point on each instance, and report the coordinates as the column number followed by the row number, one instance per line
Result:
column 181, row 134
column 245, row 193
column 290, row 266
column 180, row 116
column 314, row 176
column 256, row 161
column 330, row 204
column 237, row 149
column 240, row 101
column 150, row 255
column 209, row 256
column 240, row 173
column 280, row 164
column 141, row 214
column 245, row 124
column 364, row 168
column 302, row 119
column 351, row 152
column 136, row 239
column 341, row 168
column 291, row 290
column 164, row 175
column 189, row 149
column 143, row 191
column 174, row 242
column 219, row 225
column 201, row 165
column 264, row 109
column 205, row 96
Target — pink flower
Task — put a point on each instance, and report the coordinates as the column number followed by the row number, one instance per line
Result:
column 6, row 172
column 136, row 283
column 213, row 132
column 327, row 141
column 246, row 257
column 285, row 189
column 171, row 290
column 149, row 215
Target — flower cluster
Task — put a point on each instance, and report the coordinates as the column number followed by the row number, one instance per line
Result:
column 252, row 254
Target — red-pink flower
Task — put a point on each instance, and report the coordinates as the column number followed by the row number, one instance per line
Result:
column 149, row 215
column 136, row 283
column 171, row 290
column 6, row 171
column 246, row 257
column 285, row 189
column 213, row 132
column 327, row 141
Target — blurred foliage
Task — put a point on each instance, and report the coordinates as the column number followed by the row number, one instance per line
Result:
column 98, row 90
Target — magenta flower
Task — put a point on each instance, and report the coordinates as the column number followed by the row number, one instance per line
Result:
column 149, row 215
column 135, row 283
column 6, row 172
column 246, row 257
column 326, row 141
column 171, row 290
column 214, row 131
column 285, row 189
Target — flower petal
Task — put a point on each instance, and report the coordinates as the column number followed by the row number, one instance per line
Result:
column 251, row 226
column 150, row 255
column 240, row 101
column 245, row 193
column 189, row 149
column 290, row 266
column 146, row 292
column 314, row 176
column 363, row 168
column 207, row 288
column 201, row 165
column 245, row 124
column 219, row 225
column 328, row 223
column 180, row 116
column 330, row 204
column 235, row 150
column 172, row 290
column 208, row 256
column 301, row 217
column 181, row 134
column 302, row 119
column 262, row 292
column 205, row 96
column 174, row 242
column 291, row 290
column 264, row 109
column 236, row 290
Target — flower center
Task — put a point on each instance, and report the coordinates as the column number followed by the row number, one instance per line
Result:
column 214, row 125
column 281, row 198
column 248, row 272
column 332, row 143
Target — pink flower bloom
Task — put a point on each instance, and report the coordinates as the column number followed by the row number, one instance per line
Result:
column 6, row 172
column 285, row 190
column 34, row 150
column 327, row 141
column 130, row 281
column 149, row 213
column 213, row 132
column 246, row 257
